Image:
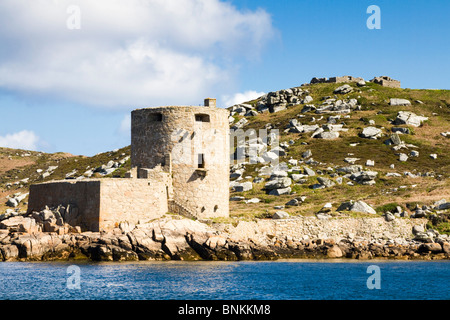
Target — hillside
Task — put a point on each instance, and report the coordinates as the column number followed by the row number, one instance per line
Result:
column 418, row 181
column 321, row 130
column 21, row 168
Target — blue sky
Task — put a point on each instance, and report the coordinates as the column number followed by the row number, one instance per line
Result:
column 69, row 79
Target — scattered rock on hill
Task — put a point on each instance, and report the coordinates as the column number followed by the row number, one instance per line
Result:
column 402, row 157
column 371, row 133
column 414, row 153
column 307, row 99
column 361, row 83
column 370, row 163
column 399, row 102
column 244, row 186
column 295, row 202
column 336, row 106
column 279, row 100
column 401, row 130
column 308, row 171
column 350, row 169
column 252, row 200
column 344, row 89
column 409, row 118
column 280, row 191
column 12, row 202
column 358, row 206
column 15, row 199
column 364, row 177
column 441, row 205
column 351, row 160
column 327, row 135
column 280, row 215
column 327, row 183
column 394, row 139
column 240, row 124
column 307, row 154
column 389, row 217
column 278, row 183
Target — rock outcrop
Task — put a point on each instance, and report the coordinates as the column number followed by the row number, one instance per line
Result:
column 399, row 102
column 176, row 238
column 409, row 118
column 371, row 133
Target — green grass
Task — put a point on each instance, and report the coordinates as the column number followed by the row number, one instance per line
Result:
column 387, row 207
column 443, row 228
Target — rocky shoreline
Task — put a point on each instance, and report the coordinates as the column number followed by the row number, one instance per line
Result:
column 32, row 238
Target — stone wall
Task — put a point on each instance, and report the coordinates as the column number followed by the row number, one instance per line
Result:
column 335, row 228
column 85, row 195
column 131, row 200
column 104, row 203
column 182, row 134
column 158, row 176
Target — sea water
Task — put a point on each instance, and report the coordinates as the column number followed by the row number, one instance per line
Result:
column 177, row 280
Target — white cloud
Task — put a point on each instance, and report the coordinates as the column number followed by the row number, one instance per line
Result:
column 126, row 53
column 241, row 97
column 25, row 139
column 125, row 125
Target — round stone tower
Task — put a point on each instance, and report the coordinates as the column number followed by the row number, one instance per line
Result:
column 193, row 144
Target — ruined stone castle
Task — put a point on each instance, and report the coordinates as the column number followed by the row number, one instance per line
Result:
column 180, row 164
column 384, row 81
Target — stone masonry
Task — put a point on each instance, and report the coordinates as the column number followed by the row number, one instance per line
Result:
column 195, row 140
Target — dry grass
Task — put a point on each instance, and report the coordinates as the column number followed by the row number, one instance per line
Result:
column 331, row 153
